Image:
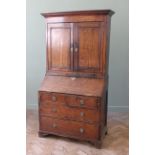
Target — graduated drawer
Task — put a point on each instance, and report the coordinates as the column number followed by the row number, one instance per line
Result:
column 62, row 111
column 69, row 128
column 70, row 100
column 48, row 98
column 82, row 101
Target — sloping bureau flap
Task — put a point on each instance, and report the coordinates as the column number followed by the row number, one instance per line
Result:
column 71, row 85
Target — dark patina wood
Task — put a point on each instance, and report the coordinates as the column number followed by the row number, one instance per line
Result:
column 72, row 85
column 73, row 95
column 77, row 43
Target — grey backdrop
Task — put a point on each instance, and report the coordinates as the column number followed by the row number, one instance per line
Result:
column 118, row 63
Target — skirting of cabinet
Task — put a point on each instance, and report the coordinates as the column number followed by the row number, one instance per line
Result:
column 96, row 142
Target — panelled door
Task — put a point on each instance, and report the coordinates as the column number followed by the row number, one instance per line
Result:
column 59, row 40
column 75, row 47
column 87, row 50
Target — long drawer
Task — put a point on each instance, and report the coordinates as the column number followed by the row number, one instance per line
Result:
column 70, row 100
column 69, row 128
column 76, row 114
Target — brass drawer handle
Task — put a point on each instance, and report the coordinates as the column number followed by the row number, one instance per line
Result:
column 81, row 102
column 81, row 130
column 54, row 110
column 54, row 125
column 54, row 98
column 81, row 114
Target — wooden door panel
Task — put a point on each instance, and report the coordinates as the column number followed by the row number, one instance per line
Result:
column 59, row 41
column 89, row 46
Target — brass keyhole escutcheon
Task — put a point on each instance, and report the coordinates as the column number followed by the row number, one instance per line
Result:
column 81, row 102
column 54, row 98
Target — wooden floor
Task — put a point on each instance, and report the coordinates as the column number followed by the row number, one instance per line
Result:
column 115, row 143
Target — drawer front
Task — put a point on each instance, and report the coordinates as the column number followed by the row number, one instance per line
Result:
column 48, row 98
column 82, row 101
column 70, row 100
column 64, row 112
column 69, row 128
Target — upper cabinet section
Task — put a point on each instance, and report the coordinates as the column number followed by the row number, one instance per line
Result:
column 77, row 43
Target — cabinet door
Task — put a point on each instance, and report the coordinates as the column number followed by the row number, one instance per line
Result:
column 59, row 40
column 87, row 47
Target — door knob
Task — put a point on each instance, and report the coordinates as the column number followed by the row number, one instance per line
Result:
column 71, row 49
column 76, row 49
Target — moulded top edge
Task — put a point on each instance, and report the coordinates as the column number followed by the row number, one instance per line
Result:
column 82, row 12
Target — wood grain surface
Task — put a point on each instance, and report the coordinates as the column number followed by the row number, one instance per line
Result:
column 71, row 85
column 77, row 43
column 73, row 95
column 68, row 107
column 70, row 128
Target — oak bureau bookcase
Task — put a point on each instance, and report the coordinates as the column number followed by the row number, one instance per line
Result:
column 73, row 94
